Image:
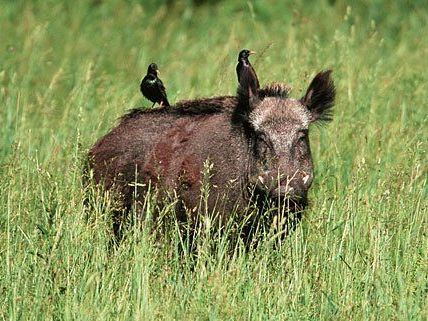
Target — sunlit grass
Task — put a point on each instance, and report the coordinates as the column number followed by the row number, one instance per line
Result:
column 68, row 70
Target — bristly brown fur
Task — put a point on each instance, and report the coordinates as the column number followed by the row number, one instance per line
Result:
column 205, row 105
column 275, row 89
column 136, row 112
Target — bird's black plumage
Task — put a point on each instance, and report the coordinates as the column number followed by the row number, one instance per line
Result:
column 152, row 87
column 244, row 66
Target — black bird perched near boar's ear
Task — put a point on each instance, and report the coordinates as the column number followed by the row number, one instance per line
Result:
column 152, row 87
column 244, row 67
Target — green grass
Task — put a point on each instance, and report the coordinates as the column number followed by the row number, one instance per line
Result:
column 68, row 70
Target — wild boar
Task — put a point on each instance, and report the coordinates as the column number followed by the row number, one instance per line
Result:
column 257, row 144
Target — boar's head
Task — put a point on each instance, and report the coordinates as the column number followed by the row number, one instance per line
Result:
column 277, row 128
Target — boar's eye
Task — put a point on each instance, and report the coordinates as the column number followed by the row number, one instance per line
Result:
column 262, row 148
column 302, row 142
column 302, row 135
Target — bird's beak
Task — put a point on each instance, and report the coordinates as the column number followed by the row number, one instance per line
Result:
column 157, row 70
column 252, row 52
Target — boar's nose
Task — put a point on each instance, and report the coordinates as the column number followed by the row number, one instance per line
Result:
column 282, row 191
column 288, row 192
column 295, row 187
column 292, row 186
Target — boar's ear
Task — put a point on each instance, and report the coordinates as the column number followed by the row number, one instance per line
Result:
column 248, row 97
column 319, row 97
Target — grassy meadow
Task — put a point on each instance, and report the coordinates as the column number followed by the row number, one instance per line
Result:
column 69, row 69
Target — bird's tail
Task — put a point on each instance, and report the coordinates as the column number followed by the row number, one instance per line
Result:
column 165, row 102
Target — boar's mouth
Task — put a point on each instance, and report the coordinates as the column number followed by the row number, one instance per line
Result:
column 292, row 202
column 268, row 203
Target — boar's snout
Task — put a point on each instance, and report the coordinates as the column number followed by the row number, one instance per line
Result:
column 277, row 187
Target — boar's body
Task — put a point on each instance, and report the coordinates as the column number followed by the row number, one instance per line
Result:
column 169, row 148
column 257, row 143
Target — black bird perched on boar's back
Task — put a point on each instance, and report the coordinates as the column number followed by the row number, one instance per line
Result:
column 152, row 87
column 244, row 67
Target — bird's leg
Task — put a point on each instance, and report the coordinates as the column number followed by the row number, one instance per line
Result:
column 161, row 103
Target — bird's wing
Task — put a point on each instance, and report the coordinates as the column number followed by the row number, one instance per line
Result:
column 254, row 76
column 162, row 91
column 161, row 87
column 238, row 70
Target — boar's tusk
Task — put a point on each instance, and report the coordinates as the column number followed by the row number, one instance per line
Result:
column 305, row 179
